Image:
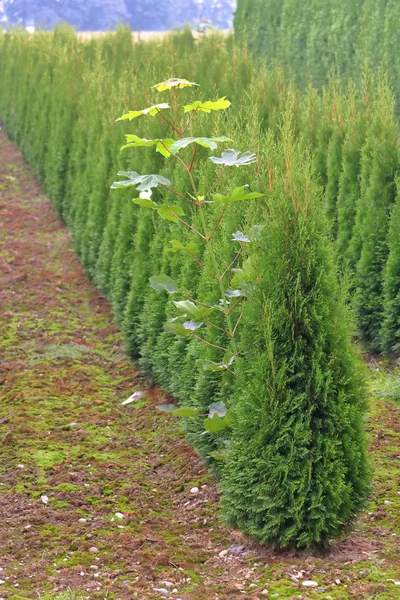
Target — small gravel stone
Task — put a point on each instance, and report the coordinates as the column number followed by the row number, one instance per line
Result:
column 119, row 515
column 194, row 491
column 82, row 520
column 223, row 553
column 72, row 425
column 20, row 466
column 2, row 581
column 388, row 503
column 264, row 592
column 309, row 583
column 168, row 584
column 93, row 549
column 397, row 583
column 162, row 591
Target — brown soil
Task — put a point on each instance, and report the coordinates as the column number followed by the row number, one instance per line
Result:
column 64, row 435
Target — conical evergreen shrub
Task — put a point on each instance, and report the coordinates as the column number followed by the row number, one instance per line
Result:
column 296, row 472
column 391, row 286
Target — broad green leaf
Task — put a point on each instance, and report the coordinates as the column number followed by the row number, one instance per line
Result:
column 244, row 276
column 163, row 283
column 234, row 158
column 173, row 82
column 188, row 307
column 239, row 193
column 151, row 110
column 240, row 237
column 178, row 328
column 182, row 411
column 202, row 141
column 208, row 106
column 192, row 325
column 234, row 293
column 217, row 408
column 141, row 182
column 164, row 211
column 162, row 145
column 145, row 202
column 177, row 246
column 216, row 423
column 222, row 366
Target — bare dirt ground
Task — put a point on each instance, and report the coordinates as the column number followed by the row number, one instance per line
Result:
column 72, row 456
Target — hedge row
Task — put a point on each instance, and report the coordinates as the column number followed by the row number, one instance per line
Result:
column 310, row 39
column 295, row 471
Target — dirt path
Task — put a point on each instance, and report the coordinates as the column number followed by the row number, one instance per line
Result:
column 72, row 456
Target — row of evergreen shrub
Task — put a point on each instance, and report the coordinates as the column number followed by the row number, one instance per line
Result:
column 310, row 39
column 296, row 471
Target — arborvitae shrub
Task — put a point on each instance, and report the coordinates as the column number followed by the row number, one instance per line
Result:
column 296, row 471
column 391, row 285
column 377, row 196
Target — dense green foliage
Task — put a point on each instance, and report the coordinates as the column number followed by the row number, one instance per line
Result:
column 59, row 99
column 310, row 39
column 296, row 471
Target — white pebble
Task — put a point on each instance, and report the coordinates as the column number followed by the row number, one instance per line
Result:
column 93, row 549
column 20, row 466
column 82, row 520
column 397, row 583
column 388, row 503
column 162, row 591
column 194, row 491
column 44, row 499
column 264, row 592
column 2, row 581
column 223, row 553
column 119, row 515
column 309, row 583
column 168, row 584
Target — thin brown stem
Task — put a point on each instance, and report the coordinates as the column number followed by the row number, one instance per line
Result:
column 188, row 123
column 202, row 303
column 234, row 305
column 178, row 194
column 217, row 224
column 184, row 165
column 184, row 223
column 237, row 323
column 169, row 123
column 209, row 343
column 203, row 266
column 193, row 157
column 217, row 327
column 232, row 263
column 215, row 183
